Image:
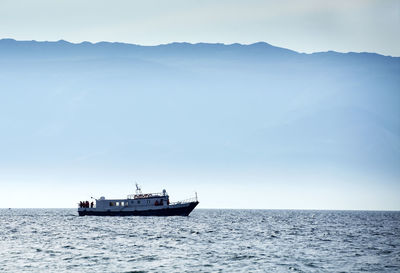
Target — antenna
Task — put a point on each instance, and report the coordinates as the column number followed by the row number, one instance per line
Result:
column 138, row 189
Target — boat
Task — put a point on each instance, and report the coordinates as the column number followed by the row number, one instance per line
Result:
column 138, row 204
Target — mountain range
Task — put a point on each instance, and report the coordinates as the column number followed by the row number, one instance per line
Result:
column 201, row 106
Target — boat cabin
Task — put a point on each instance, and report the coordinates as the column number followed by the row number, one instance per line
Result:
column 138, row 200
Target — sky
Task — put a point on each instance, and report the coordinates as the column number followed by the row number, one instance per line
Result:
column 67, row 137
column 304, row 26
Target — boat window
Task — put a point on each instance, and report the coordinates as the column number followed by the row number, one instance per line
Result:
column 131, row 202
column 138, row 201
column 117, row 203
column 122, row 204
column 111, row 204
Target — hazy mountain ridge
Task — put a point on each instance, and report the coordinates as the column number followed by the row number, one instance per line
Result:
column 11, row 46
column 197, row 104
column 257, row 57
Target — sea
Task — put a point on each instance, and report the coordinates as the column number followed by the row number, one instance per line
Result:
column 209, row 240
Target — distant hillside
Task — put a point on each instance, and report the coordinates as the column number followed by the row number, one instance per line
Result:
column 209, row 105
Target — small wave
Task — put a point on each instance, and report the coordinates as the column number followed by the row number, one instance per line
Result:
column 242, row 257
column 291, row 268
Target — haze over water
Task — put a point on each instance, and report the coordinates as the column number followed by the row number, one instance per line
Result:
column 57, row 240
column 292, row 130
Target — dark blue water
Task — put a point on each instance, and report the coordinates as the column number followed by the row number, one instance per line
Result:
column 57, row 240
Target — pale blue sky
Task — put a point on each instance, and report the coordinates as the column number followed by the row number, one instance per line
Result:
column 305, row 26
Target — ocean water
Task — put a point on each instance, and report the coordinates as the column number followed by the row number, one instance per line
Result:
column 57, row 240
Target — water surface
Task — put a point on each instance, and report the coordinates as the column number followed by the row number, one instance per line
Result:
column 57, row 240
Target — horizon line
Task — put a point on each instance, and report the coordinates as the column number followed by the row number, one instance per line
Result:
column 369, row 210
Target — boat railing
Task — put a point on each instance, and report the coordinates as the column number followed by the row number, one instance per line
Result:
column 144, row 195
column 189, row 200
